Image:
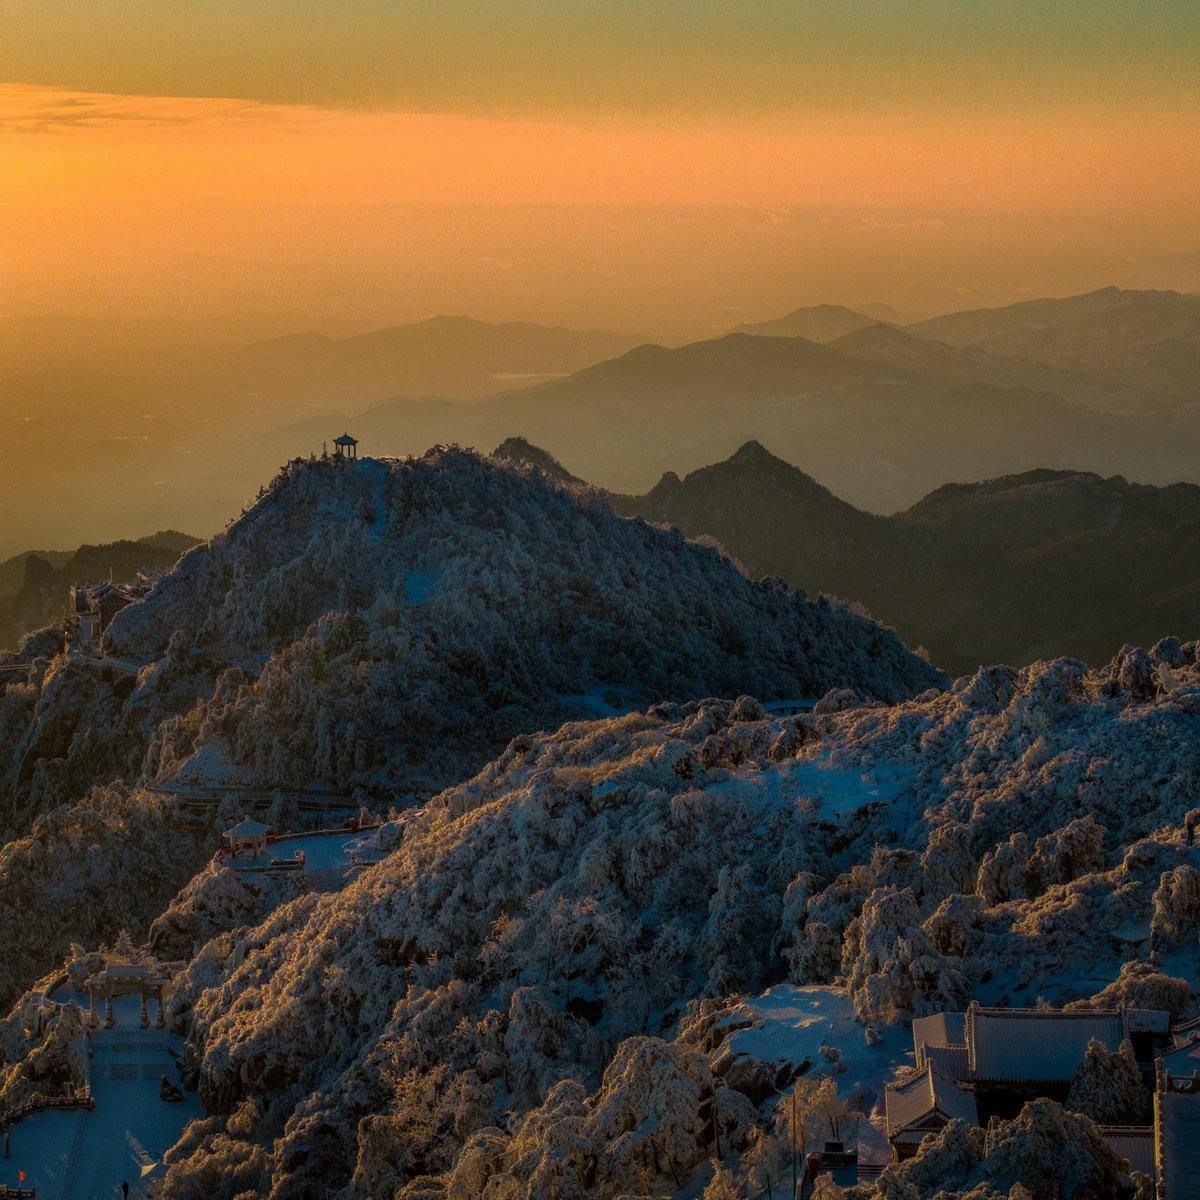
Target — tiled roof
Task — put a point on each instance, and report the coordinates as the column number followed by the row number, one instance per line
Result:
column 940, row 1029
column 1184, row 1059
column 248, row 828
column 1035, row 1045
column 926, row 1092
column 950, row 1061
column 1177, row 1118
column 1148, row 1020
column 1135, row 1144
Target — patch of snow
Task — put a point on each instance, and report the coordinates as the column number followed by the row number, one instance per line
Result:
column 209, row 766
column 330, row 852
column 379, row 504
column 839, row 792
column 79, row 1155
column 418, row 585
column 781, row 708
column 595, row 702
column 793, row 1023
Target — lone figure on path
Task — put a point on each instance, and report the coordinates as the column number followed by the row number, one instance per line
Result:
column 125, row 1189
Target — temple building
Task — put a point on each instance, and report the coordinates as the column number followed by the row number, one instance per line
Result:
column 91, row 607
column 988, row 1062
column 921, row 1105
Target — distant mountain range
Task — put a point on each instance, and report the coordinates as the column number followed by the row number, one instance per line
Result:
column 443, row 356
column 880, row 429
column 1150, row 339
column 818, row 323
column 881, row 413
column 1009, row 570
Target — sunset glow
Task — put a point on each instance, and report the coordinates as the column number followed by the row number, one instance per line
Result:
column 1017, row 147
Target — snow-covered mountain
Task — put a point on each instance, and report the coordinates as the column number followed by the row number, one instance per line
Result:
column 414, row 613
column 636, row 912
column 528, row 997
column 381, row 628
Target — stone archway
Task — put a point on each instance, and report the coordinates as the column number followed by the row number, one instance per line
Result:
column 127, row 979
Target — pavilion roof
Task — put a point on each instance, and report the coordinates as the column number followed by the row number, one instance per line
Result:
column 345, row 440
column 248, row 828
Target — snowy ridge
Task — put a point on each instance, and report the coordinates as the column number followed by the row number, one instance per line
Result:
column 578, row 910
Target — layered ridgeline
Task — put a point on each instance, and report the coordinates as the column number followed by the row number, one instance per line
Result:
column 542, row 992
column 1147, row 338
column 380, row 629
column 1106, row 383
column 882, row 423
column 1006, row 570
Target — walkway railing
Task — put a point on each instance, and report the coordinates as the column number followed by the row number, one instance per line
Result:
column 307, row 799
column 9, row 1117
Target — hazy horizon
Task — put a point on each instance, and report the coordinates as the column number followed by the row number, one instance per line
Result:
column 183, row 181
column 211, row 170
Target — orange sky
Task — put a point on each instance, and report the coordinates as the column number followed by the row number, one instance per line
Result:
column 395, row 165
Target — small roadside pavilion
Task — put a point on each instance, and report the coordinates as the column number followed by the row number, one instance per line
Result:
column 247, row 839
column 345, row 446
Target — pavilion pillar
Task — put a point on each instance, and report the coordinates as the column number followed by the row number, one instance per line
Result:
column 109, row 1017
column 92, row 1006
column 162, row 1017
column 145, row 1017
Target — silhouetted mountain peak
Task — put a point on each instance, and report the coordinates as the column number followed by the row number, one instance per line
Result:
column 818, row 322
column 754, row 452
column 523, row 452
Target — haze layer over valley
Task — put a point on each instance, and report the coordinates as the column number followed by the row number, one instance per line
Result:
column 880, row 414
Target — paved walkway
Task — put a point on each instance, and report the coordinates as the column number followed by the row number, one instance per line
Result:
column 327, row 852
column 85, row 1155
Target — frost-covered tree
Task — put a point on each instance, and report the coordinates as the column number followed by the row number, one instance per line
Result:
column 1143, row 985
column 1107, row 1086
column 1176, row 905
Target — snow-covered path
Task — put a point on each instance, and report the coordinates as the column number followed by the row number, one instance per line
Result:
column 86, row 1155
column 322, row 852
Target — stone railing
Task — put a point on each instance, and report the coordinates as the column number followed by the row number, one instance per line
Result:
column 81, row 1099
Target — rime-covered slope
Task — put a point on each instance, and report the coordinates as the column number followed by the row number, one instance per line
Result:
column 387, row 625
column 551, row 919
column 409, row 616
